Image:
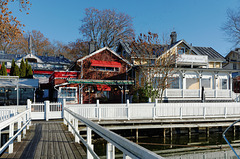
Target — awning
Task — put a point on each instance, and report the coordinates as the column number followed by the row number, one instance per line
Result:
column 22, row 83
column 105, row 63
column 97, row 82
column 103, row 88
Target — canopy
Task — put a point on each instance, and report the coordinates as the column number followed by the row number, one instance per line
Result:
column 22, row 83
column 105, row 63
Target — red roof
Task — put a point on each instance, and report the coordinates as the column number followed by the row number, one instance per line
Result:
column 105, row 63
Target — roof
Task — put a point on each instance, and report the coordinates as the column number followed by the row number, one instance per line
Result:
column 130, row 48
column 105, row 63
column 100, row 50
column 212, row 54
column 44, row 59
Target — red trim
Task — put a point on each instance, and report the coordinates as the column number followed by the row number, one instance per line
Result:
column 42, row 72
column 103, row 88
column 105, row 63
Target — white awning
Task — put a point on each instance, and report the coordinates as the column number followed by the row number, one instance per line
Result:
column 23, row 83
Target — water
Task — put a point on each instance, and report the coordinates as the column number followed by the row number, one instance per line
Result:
column 180, row 145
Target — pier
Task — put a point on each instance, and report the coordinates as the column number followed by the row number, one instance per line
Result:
column 54, row 130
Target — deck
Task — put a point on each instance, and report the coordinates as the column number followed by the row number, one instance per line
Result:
column 47, row 140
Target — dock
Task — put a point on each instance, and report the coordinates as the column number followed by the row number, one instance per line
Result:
column 47, row 140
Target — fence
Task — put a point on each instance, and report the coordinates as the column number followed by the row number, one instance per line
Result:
column 128, row 148
column 45, row 111
column 156, row 110
column 22, row 119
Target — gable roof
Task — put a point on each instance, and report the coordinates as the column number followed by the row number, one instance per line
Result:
column 212, row 54
column 100, row 50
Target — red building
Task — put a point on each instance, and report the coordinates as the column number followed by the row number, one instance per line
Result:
column 102, row 75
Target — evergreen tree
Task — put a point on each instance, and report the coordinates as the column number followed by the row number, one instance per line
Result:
column 23, row 69
column 3, row 70
column 12, row 67
column 16, row 71
column 29, row 73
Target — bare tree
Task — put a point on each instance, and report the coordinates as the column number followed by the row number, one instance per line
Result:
column 106, row 27
column 155, row 68
column 232, row 26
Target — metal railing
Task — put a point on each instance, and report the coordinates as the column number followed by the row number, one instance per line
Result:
column 128, row 148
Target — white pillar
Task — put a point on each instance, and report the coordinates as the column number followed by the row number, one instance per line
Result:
column 29, row 107
column 89, row 142
column 128, row 110
column 19, row 127
column 63, row 115
column 76, row 128
column 98, row 111
column 24, row 121
column 46, row 110
column 11, row 131
column 110, row 151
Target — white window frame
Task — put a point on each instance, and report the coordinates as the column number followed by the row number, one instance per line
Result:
column 74, row 98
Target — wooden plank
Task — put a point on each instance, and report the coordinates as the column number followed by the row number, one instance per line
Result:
column 60, row 140
column 57, row 153
column 38, row 150
column 45, row 141
column 50, row 142
column 66, row 143
column 72, row 144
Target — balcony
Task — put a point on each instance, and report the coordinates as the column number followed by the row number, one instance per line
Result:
column 195, row 60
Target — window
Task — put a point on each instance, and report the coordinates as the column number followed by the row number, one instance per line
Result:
column 99, row 68
column 234, row 66
column 181, row 51
column 192, row 83
column 223, row 83
column 70, row 93
column 206, row 82
column 174, row 83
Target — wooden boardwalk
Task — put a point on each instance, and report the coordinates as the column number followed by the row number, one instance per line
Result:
column 46, row 140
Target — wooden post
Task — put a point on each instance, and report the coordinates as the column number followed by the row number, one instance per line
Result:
column 128, row 110
column 136, row 135
column 207, row 132
column 29, row 107
column 11, row 131
column 189, row 133
column 19, row 127
column 89, row 142
column 98, row 111
column 46, row 107
column 164, row 135
column 110, row 151
column 171, row 137
column 24, row 121
column 76, row 128
column 63, row 115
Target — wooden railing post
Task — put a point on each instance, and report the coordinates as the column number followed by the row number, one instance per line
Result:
column 19, row 127
column 11, row 132
column 110, row 151
column 225, row 112
column 46, row 110
column 63, row 115
column 89, row 142
column 29, row 107
column 204, row 112
column 181, row 113
column 154, row 109
column 76, row 128
column 128, row 110
column 24, row 121
column 98, row 111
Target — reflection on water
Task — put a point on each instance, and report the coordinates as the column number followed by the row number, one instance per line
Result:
column 180, row 145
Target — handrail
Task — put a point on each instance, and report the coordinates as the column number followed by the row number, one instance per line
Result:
column 227, row 140
column 129, row 148
column 14, row 137
column 21, row 117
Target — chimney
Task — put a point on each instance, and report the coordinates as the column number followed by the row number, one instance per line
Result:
column 92, row 46
column 173, row 37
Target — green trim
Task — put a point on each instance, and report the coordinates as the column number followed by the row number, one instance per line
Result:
column 107, row 82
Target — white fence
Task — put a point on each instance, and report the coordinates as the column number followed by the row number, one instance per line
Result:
column 129, row 149
column 22, row 119
column 156, row 110
column 45, row 111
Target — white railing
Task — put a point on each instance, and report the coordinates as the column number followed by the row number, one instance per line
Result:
column 45, row 111
column 128, row 148
column 156, row 110
column 22, row 119
column 7, row 112
column 196, row 93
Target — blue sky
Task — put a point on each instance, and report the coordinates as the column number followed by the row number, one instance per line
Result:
column 196, row 21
